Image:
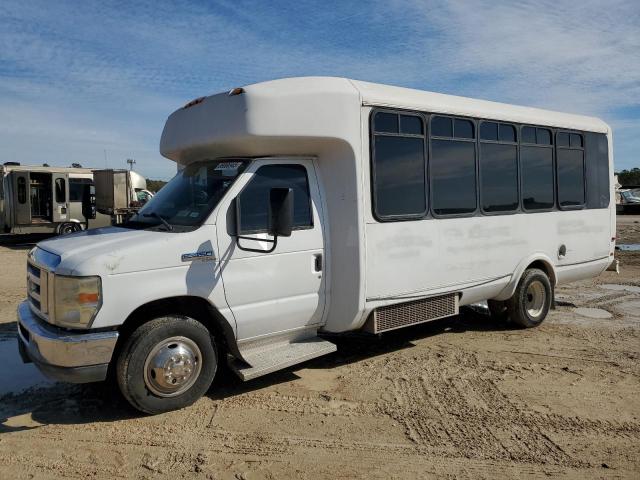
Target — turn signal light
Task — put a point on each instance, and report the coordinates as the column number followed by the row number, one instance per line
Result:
column 88, row 298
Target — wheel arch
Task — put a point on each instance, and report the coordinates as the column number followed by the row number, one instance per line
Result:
column 195, row 307
column 539, row 261
column 72, row 221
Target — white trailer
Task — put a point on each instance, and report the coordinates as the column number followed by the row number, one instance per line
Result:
column 120, row 193
column 311, row 205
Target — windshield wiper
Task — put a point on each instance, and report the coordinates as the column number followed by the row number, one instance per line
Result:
column 159, row 217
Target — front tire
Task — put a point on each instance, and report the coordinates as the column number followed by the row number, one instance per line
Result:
column 530, row 303
column 166, row 364
column 69, row 227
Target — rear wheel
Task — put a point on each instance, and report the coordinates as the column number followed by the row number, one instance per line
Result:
column 530, row 303
column 166, row 364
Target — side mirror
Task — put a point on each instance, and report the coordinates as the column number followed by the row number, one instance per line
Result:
column 89, row 202
column 280, row 220
column 281, row 212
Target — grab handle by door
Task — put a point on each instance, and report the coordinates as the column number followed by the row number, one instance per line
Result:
column 317, row 262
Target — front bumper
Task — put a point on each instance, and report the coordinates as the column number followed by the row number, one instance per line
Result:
column 76, row 357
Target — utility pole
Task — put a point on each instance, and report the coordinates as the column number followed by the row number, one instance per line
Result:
column 130, row 161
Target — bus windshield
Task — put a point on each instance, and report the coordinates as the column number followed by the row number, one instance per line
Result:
column 186, row 201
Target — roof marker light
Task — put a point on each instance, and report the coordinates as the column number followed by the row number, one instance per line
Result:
column 236, row 91
column 194, row 102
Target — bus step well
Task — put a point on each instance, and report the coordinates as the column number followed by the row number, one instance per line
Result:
column 263, row 360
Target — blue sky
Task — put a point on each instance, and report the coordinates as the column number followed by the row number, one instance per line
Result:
column 78, row 78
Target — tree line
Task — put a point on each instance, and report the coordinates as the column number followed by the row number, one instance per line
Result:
column 629, row 178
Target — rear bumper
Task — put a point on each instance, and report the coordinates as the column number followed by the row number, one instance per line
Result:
column 62, row 355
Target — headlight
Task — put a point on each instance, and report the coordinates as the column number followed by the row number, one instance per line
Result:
column 77, row 300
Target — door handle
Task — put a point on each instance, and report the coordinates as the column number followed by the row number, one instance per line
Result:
column 317, row 262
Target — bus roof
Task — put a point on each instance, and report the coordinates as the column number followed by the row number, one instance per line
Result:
column 374, row 94
column 299, row 115
column 40, row 168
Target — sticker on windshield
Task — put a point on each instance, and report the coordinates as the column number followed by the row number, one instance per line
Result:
column 228, row 166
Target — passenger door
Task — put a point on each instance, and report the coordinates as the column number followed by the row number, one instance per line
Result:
column 60, row 210
column 21, row 200
column 281, row 290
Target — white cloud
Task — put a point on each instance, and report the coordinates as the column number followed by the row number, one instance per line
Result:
column 81, row 77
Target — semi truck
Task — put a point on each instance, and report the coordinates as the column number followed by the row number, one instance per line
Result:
column 308, row 206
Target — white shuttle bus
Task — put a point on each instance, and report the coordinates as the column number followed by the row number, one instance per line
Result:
column 311, row 205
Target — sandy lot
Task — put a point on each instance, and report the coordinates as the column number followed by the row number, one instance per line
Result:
column 462, row 397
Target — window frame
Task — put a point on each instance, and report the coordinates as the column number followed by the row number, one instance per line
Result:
column 554, row 188
column 474, row 140
column 56, row 189
column 294, row 228
column 372, row 168
column 78, row 181
column 558, row 131
column 518, row 175
column 477, row 121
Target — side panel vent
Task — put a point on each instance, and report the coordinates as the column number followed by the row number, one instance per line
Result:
column 401, row 315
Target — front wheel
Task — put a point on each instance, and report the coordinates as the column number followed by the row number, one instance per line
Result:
column 530, row 303
column 69, row 227
column 166, row 364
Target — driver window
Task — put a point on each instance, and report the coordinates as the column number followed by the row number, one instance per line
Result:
column 254, row 199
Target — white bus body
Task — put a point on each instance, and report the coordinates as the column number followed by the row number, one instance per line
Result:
column 398, row 215
column 36, row 199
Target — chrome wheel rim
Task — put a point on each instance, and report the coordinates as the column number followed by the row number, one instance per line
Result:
column 535, row 298
column 172, row 366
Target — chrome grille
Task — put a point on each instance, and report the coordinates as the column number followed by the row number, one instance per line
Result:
column 38, row 289
column 401, row 315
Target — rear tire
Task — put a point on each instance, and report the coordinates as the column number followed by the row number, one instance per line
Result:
column 166, row 364
column 530, row 303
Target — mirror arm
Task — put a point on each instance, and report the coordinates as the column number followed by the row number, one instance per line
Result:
column 274, row 243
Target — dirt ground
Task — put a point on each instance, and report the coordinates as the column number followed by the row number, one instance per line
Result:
column 463, row 397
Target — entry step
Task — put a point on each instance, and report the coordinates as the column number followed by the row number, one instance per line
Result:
column 282, row 355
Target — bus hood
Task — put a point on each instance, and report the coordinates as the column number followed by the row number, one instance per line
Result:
column 116, row 250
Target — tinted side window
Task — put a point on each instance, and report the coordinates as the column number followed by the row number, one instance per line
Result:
column 507, row 133
column 543, row 136
column 385, row 122
column 489, row 131
column 570, row 171
column 254, row 199
column 441, row 127
column 528, row 135
column 399, row 176
column 536, row 164
column 22, row 190
column 498, row 177
column 453, row 177
column 597, row 170
column 61, row 194
column 76, row 188
column 398, row 170
column 463, row 128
